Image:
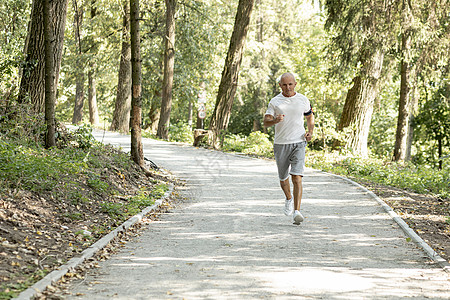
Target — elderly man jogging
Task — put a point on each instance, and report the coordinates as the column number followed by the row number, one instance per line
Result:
column 287, row 111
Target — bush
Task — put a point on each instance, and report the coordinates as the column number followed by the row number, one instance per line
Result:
column 83, row 136
column 181, row 132
column 257, row 143
column 234, row 143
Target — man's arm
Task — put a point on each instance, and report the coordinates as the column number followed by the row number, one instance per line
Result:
column 270, row 120
column 310, row 125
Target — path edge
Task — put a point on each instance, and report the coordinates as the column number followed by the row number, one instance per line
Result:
column 74, row 262
column 433, row 255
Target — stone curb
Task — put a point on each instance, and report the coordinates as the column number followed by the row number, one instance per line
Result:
column 56, row 275
column 405, row 227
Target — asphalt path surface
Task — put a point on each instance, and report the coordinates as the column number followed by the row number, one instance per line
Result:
column 231, row 240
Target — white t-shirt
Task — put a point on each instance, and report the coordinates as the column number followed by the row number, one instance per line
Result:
column 292, row 129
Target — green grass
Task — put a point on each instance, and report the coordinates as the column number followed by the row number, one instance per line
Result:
column 419, row 179
column 135, row 204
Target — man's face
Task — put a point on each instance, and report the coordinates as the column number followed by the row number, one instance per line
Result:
column 287, row 85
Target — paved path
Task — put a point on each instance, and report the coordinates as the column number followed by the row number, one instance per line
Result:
column 232, row 241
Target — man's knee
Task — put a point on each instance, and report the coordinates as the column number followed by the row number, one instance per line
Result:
column 297, row 178
column 284, row 182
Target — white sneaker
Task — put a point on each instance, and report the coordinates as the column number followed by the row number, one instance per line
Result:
column 288, row 207
column 298, row 217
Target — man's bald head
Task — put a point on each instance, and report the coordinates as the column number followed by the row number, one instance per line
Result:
column 287, row 84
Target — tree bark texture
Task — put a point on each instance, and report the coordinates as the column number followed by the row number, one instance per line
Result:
column 80, row 75
column 32, row 87
column 92, row 89
column 404, row 108
column 230, row 74
column 358, row 107
column 121, row 116
column 92, row 96
column 405, row 102
column 50, row 91
column 137, row 152
column 169, row 62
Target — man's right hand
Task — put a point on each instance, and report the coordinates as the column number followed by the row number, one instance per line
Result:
column 279, row 118
column 269, row 120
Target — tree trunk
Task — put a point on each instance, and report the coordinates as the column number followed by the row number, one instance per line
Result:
column 32, row 87
column 405, row 103
column 154, row 114
column 169, row 61
column 260, row 93
column 121, row 116
column 405, row 107
column 137, row 152
column 92, row 90
column 92, row 96
column 79, row 99
column 228, row 83
column 358, row 107
column 50, row 92
column 440, row 153
column 80, row 76
column 190, row 112
column 410, row 137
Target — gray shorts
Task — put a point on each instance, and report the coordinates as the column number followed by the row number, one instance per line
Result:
column 289, row 155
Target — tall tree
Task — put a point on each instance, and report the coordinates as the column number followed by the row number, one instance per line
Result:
column 260, row 92
column 137, row 152
column 230, row 74
column 121, row 116
column 406, row 102
column 50, row 91
column 364, row 50
column 92, row 90
column 94, row 118
column 358, row 107
column 80, row 75
column 32, row 86
column 169, row 62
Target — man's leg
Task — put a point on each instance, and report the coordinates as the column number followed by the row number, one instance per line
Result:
column 289, row 202
column 298, row 191
column 286, row 188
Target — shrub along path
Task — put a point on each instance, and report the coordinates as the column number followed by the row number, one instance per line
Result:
column 231, row 240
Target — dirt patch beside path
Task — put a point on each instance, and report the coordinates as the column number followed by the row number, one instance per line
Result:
column 429, row 216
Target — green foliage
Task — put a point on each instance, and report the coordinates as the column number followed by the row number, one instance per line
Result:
column 112, row 209
column 8, row 291
column 135, row 204
column 19, row 122
column 14, row 15
column 181, row 132
column 83, row 136
column 324, row 131
column 97, row 184
column 33, row 168
column 74, row 216
column 257, row 143
column 233, row 143
column 432, row 125
column 420, row 179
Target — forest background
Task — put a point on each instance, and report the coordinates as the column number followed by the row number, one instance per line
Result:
column 375, row 71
